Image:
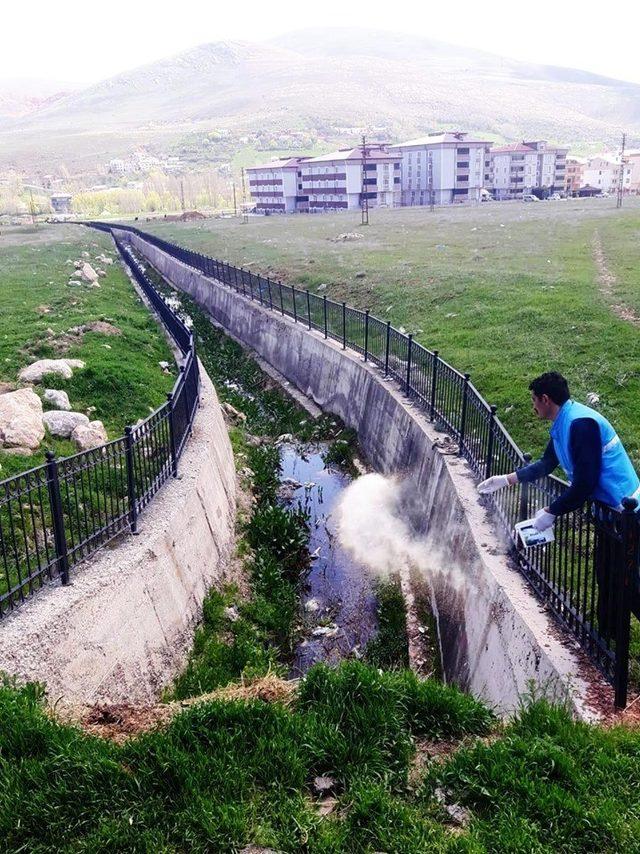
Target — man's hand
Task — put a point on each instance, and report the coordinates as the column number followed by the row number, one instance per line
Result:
column 493, row 484
column 543, row 520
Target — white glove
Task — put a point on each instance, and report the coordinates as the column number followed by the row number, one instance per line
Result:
column 493, row 484
column 543, row 520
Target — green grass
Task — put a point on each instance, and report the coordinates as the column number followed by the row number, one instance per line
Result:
column 389, row 648
column 227, row 774
column 124, row 382
column 504, row 290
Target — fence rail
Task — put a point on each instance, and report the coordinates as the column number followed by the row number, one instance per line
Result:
column 56, row 515
column 588, row 575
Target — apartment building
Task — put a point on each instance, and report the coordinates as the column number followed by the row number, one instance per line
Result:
column 339, row 180
column 443, row 168
column 274, row 186
column 521, row 167
column 574, row 175
column 605, row 173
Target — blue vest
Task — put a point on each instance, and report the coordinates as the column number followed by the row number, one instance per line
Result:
column 618, row 478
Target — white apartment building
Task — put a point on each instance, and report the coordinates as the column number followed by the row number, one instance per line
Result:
column 337, row 181
column 604, row 173
column 274, row 186
column 443, row 168
column 521, row 167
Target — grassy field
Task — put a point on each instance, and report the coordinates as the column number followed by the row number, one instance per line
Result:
column 504, row 290
column 122, row 379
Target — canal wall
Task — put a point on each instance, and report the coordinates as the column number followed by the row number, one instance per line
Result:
column 497, row 641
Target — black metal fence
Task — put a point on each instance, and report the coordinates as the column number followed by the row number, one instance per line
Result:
column 588, row 576
column 58, row 514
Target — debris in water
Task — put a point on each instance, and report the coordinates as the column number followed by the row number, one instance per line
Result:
column 312, row 605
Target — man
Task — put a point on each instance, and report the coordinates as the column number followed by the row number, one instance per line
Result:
column 596, row 464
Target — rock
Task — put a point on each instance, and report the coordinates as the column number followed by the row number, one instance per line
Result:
column 85, row 254
column 62, row 424
column 311, row 606
column 43, row 309
column 233, row 414
column 90, row 435
column 593, row 399
column 59, row 399
column 323, row 784
column 101, row 273
column 74, row 283
column 231, row 613
column 360, row 275
column 63, row 367
column 285, row 439
column 458, row 814
column 164, row 365
column 88, row 273
column 21, row 424
column 348, row 235
column 78, row 264
column 322, row 287
column 5, row 387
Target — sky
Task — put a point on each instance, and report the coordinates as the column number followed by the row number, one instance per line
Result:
column 85, row 42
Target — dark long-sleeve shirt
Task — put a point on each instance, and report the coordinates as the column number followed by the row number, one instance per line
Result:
column 586, row 453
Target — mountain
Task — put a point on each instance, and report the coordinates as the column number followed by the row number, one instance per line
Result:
column 20, row 96
column 320, row 79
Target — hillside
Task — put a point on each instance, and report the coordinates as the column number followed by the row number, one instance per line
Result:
column 322, row 80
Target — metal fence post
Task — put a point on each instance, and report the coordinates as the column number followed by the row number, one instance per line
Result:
column 260, row 281
column 463, row 414
column 295, row 308
column 524, row 494
column 131, row 479
column 251, row 285
column 244, row 288
column 433, row 386
column 366, row 334
column 235, row 275
column 625, row 574
column 270, row 294
column 281, row 298
column 172, row 436
column 489, row 460
column 309, row 308
column 324, row 313
column 408, row 380
column 55, row 500
column 386, row 349
column 344, row 326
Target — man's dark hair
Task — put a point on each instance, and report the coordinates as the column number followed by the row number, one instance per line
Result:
column 552, row 384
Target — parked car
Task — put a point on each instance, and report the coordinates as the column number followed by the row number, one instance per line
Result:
column 529, row 197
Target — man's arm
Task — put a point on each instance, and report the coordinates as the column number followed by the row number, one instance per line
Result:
column 529, row 473
column 586, row 452
column 542, row 467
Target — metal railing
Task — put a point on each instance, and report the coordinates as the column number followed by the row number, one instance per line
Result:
column 56, row 515
column 588, row 576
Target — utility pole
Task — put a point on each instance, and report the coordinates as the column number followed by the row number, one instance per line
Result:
column 182, row 194
column 365, row 197
column 245, row 215
column 235, row 201
column 622, row 164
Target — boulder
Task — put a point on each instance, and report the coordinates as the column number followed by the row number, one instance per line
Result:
column 91, row 435
column 21, row 420
column 88, row 273
column 63, row 367
column 62, row 424
column 5, row 387
column 58, row 399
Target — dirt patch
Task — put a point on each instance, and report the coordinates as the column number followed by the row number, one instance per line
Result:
column 607, row 283
column 118, row 722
